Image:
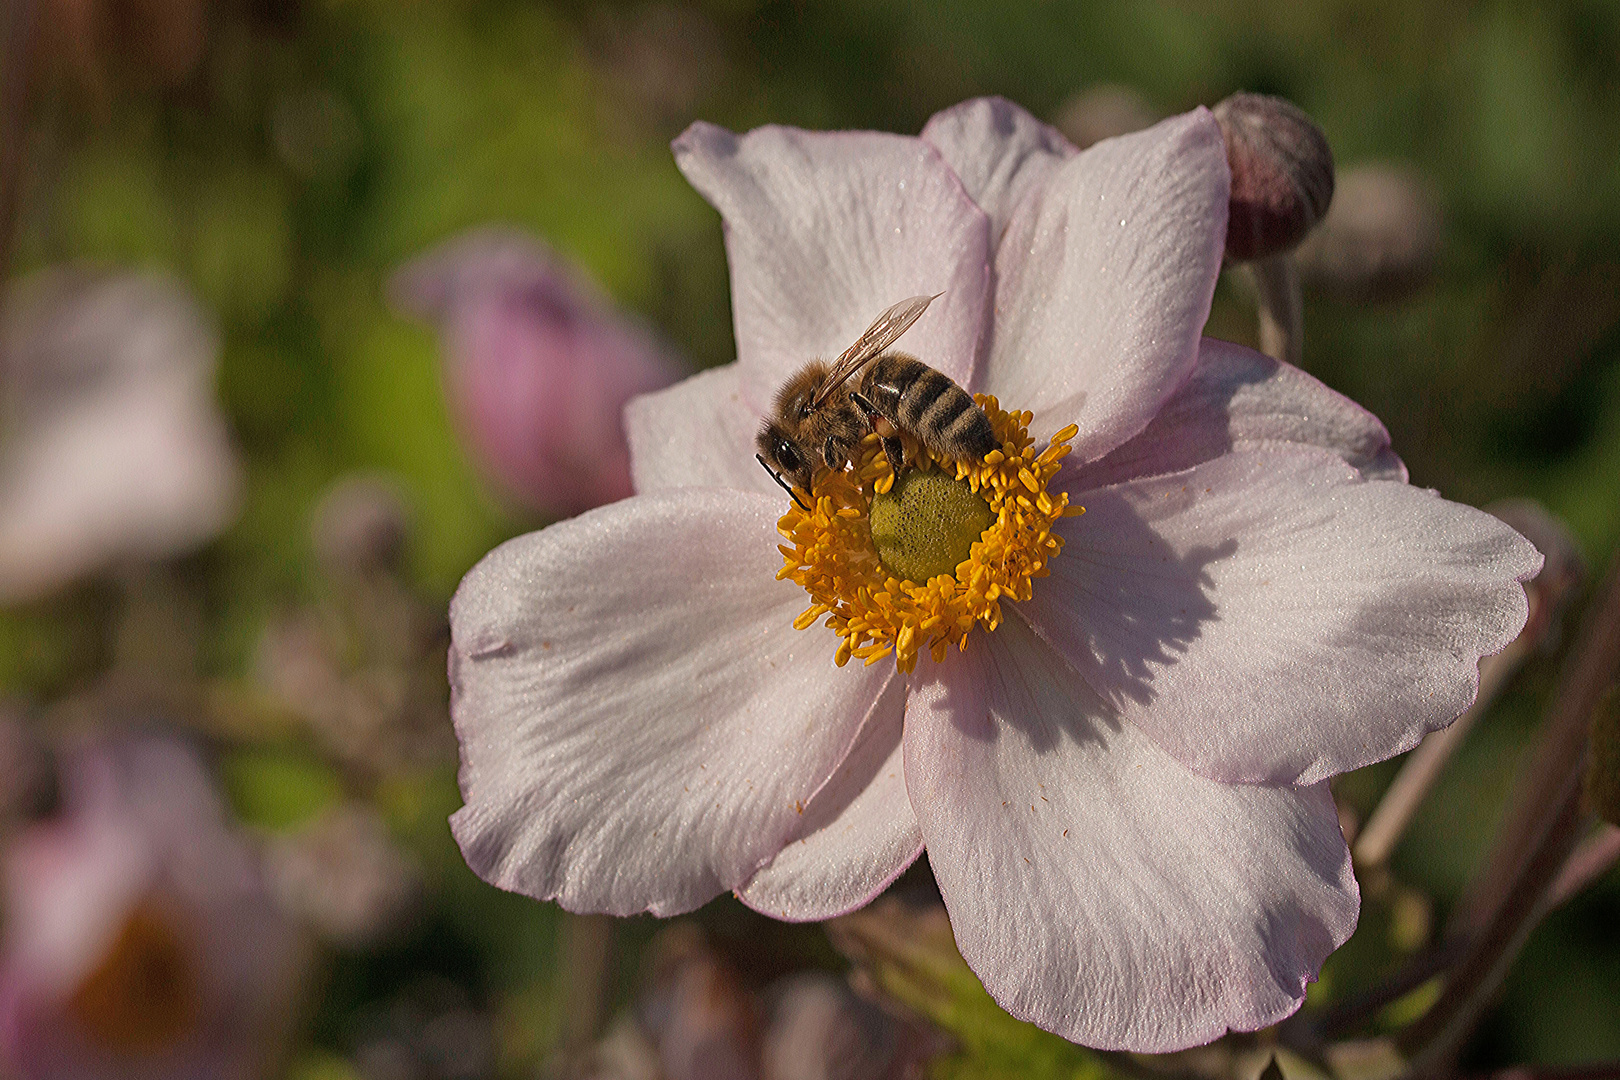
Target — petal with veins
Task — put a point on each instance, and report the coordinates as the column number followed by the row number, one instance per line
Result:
column 640, row 724
column 697, row 433
column 999, row 151
column 1097, row 887
column 858, row 833
column 1104, row 280
column 1236, row 399
column 826, row 230
column 1271, row 617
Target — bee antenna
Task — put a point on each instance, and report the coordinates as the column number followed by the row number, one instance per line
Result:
column 794, row 495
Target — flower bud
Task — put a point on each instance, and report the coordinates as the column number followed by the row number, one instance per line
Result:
column 345, row 878
column 702, row 1019
column 1381, row 237
column 1102, row 112
column 361, row 525
column 1282, row 174
column 430, row 1030
column 538, row 366
column 819, row 1030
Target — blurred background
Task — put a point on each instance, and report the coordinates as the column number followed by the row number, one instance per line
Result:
column 295, row 282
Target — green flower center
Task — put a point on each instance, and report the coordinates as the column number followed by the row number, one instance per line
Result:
column 926, row 524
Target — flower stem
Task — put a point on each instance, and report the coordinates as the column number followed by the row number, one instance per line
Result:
column 1412, row 784
column 1282, row 313
column 1595, row 856
column 1513, row 891
column 1560, row 760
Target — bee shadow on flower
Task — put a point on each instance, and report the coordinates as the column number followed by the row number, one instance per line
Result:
column 1122, row 604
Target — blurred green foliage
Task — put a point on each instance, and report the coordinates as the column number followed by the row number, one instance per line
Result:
column 323, row 142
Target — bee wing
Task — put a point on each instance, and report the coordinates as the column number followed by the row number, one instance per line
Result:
column 884, row 331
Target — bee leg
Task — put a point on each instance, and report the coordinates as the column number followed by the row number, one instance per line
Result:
column 835, row 453
column 864, row 403
column 895, row 451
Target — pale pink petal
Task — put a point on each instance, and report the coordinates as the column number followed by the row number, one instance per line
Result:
column 1268, row 616
column 824, row 230
column 1096, row 886
column 697, row 433
column 999, row 151
column 1237, row 399
column 857, row 835
column 1104, row 280
column 640, row 724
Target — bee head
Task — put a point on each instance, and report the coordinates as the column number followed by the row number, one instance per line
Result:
column 784, row 455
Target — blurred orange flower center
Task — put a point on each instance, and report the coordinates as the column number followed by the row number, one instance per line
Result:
column 143, row 997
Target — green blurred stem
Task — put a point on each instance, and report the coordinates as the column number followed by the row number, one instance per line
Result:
column 1282, row 313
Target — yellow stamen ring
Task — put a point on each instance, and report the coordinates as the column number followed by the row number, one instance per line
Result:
column 831, row 555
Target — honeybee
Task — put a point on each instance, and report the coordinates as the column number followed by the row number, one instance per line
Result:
column 820, row 417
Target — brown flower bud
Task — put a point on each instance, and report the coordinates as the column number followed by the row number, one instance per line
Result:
column 819, row 1030
column 697, row 1011
column 345, row 878
column 1381, row 237
column 1282, row 174
column 361, row 525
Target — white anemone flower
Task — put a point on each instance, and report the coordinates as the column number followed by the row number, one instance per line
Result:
column 113, row 447
column 1120, row 771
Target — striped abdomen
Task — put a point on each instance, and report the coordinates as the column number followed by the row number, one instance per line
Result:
column 925, row 402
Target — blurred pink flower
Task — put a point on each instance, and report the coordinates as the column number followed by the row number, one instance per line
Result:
column 538, row 366
column 139, row 940
column 111, row 445
column 1122, row 787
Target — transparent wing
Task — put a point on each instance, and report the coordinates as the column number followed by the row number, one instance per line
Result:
column 884, row 331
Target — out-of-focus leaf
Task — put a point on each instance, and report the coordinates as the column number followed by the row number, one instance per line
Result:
column 112, row 205
column 319, row 1066
column 240, row 250
column 277, row 789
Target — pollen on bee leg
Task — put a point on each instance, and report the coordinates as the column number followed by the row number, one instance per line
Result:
column 902, row 565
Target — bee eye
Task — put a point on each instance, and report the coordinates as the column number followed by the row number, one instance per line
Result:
column 787, row 456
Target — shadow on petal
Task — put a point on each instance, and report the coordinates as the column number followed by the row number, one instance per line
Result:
column 1121, row 603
